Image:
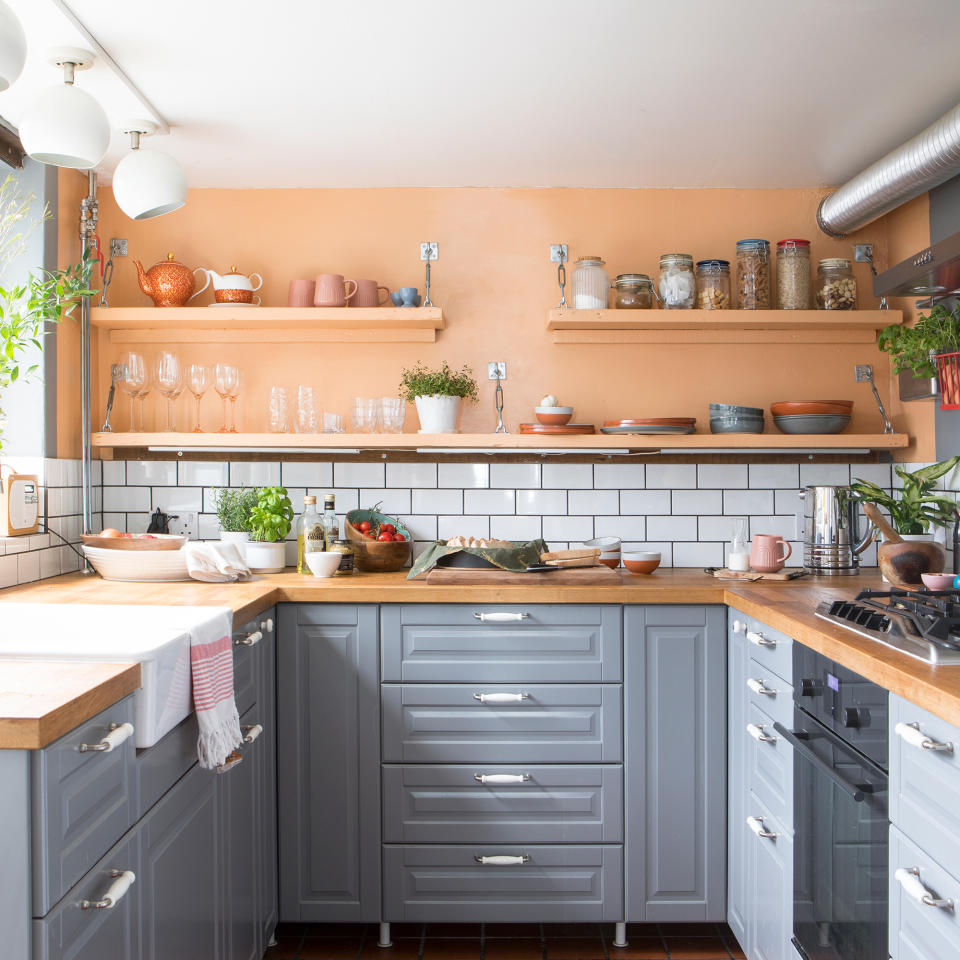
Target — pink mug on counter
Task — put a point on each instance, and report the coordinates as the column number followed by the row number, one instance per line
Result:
column 332, row 290
column 368, row 294
column 301, row 293
column 765, row 556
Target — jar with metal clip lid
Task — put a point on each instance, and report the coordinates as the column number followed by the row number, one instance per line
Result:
column 678, row 287
column 793, row 274
column 345, row 549
column 590, row 284
column 713, row 284
column 634, row 291
column 836, row 286
column 753, row 274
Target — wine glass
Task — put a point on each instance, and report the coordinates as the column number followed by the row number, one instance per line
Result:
column 169, row 379
column 198, row 381
column 132, row 374
column 143, row 392
column 226, row 380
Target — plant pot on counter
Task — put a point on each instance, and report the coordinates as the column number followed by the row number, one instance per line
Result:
column 266, row 557
column 438, row 414
column 238, row 539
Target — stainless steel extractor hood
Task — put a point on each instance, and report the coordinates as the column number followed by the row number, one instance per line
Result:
column 933, row 272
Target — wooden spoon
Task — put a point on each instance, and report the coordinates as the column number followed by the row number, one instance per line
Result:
column 873, row 513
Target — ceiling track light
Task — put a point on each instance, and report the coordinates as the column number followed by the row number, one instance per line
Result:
column 64, row 126
column 13, row 47
column 147, row 183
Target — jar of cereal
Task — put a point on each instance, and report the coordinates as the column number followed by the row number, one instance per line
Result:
column 753, row 274
column 677, row 284
column 713, row 284
column 836, row 286
column 793, row 274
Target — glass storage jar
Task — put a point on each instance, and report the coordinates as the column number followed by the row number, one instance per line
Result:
column 590, row 284
column 677, row 284
column 836, row 286
column 793, row 274
column 753, row 274
column 634, row 291
column 713, row 284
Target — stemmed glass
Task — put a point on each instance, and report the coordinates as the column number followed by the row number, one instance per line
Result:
column 226, row 380
column 133, row 372
column 197, row 381
column 169, row 383
column 142, row 393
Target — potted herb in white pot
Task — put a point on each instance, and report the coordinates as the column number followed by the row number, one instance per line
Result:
column 438, row 395
column 234, row 509
column 271, row 519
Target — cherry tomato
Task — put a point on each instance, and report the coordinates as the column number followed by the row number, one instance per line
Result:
column 400, row 538
column 364, row 526
column 385, row 537
column 369, row 535
column 387, row 528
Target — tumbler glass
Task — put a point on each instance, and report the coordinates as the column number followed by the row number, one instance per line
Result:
column 279, row 410
column 333, row 423
column 393, row 413
column 366, row 415
column 307, row 414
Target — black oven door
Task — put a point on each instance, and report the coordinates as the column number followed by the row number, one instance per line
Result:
column 840, row 846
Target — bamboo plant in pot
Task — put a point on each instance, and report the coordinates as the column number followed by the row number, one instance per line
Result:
column 438, row 395
column 271, row 519
column 234, row 514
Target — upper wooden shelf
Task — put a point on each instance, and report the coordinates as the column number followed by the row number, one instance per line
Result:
column 719, row 326
column 269, row 324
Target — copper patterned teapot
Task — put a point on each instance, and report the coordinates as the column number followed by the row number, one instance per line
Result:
column 168, row 283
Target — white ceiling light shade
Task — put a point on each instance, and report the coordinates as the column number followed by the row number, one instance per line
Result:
column 63, row 125
column 147, row 183
column 13, row 47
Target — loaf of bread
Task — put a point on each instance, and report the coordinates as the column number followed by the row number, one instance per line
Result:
column 477, row 542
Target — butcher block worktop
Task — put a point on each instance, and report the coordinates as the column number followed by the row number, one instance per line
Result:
column 786, row 606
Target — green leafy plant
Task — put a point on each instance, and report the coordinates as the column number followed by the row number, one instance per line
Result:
column 272, row 516
column 235, row 508
column 910, row 347
column 916, row 508
column 26, row 309
column 419, row 381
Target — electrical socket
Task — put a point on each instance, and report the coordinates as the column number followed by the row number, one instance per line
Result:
column 863, row 252
column 497, row 370
column 430, row 250
column 118, row 247
column 184, row 523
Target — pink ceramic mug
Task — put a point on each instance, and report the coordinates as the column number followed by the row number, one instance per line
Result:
column 332, row 290
column 368, row 294
column 764, row 555
column 301, row 293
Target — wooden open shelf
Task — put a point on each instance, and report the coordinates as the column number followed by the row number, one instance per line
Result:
column 719, row 326
column 168, row 325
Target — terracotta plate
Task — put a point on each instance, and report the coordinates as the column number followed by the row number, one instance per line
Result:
column 570, row 428
column 653, row 422
column 806, row 408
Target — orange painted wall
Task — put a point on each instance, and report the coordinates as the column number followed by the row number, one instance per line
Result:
column 495, row 284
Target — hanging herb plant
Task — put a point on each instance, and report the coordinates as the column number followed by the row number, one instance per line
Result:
column 910, row 348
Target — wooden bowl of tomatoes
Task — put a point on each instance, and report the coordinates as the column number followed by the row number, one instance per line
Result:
column 381, row 544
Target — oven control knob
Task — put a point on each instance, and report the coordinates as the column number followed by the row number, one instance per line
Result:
column 808, row 688
column 852, row 717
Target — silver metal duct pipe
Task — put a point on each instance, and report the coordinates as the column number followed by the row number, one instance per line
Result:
column 930, row 158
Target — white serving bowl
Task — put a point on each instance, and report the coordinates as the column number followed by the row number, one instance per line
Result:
column 140, row 566
column 323, row 564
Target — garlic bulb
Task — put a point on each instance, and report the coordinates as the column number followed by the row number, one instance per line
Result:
column 549, row 401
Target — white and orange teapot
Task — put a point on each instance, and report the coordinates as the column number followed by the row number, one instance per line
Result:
column 232, row 287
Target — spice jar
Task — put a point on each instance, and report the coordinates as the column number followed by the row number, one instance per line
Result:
column 753, row 274
column 345, row 548
column 836, row 286
column 713, row 284
column 793, row 274
column 677, row 284
column 634, row 291
column 590, row 284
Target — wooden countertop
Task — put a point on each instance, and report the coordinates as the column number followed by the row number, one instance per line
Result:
column 788, row 607
column 41, row 700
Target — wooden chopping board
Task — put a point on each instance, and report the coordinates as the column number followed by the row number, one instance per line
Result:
column 782, row 575
column 576, row 576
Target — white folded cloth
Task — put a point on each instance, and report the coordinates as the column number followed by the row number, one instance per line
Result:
column 215, row 562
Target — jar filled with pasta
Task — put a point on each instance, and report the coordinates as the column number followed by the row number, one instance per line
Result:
column 753, row 274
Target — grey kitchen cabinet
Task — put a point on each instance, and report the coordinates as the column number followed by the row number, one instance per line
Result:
column 771, row 886
column 268, row 903
column 675, row 756
column 738, row 789
column 328, row 733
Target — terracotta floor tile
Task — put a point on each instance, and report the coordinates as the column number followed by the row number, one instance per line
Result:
column 734, row 947
column 689, row 929
column 330, row 948
column 584, row 948
column 338, row 929
column 579, row 930
column 638, row 948
column 286, row 948
column 636, row 930
column 696, row 948
column 291, row 929
column 405, row 929
column 512, row 948
column 445, row 930
column 524, row 930
column 451, row 948
column 404, row 948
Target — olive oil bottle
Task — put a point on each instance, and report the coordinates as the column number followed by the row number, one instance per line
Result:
column 310, row 536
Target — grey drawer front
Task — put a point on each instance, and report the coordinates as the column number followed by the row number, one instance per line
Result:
column 245, row 674
column 554, row 643
column 565, row 803
column 777, row 704
column 770, row 768
column 69, row 933
column 918, row 931
column 82, row 803
column 159, row 767
column 443, row 723
column 770, row 648
column 560, row 883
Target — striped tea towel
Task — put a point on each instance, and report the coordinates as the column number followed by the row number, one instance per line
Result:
column 211, row 662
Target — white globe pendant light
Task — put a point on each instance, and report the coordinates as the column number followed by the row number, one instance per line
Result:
column 147, row 183
column 13, row 47
column 65, row 126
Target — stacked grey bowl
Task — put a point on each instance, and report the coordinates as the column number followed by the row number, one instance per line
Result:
column 729, row 418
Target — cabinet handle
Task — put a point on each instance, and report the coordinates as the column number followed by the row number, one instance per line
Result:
column 756, row 825
column 759, row 640
column 739, row 626
column 756, row 731
column 501, row 777
column 910, row 733
column 500, row 697
column 501, row 617
column 249, row 640
column 502, row 860
column 252, row 732
column 758, row 686
column 122, row 881
column 267, row 625
column 913, row 887
column 118, row 733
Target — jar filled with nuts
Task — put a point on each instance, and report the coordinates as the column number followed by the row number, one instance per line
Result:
column 713, row 284
column 836, row 287
column 677, row 284
column 793, row 274
column 753, row 274
column 634, row 291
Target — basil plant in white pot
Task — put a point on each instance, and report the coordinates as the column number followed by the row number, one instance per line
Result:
column 271, row 517
column 438, row 395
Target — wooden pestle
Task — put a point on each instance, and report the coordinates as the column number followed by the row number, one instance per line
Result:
column 873, row 513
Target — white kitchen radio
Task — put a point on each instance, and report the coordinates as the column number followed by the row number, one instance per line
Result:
column 19, row 504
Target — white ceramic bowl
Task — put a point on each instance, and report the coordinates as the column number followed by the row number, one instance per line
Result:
column 560, row 410
column 141, row 566
column 323, row 564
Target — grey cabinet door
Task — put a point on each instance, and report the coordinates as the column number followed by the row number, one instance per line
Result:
column 771, row 902
column 738, row 835
column 675, row 697
column 181, row 873
column 267, row 709
column 328, row 762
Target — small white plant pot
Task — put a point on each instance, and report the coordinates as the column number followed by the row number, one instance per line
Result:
column 265, row 557
column 438, row 414
column 239, row 540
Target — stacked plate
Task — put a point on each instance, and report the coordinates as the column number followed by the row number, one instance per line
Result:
column 549, row 430
column 730, row 418
column 811, row 416
column 651, row 425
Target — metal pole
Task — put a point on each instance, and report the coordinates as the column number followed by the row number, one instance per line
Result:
column 88, row 228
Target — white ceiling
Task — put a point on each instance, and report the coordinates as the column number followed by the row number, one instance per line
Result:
column 634, row 93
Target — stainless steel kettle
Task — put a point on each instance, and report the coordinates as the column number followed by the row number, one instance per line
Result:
column 831, row 544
